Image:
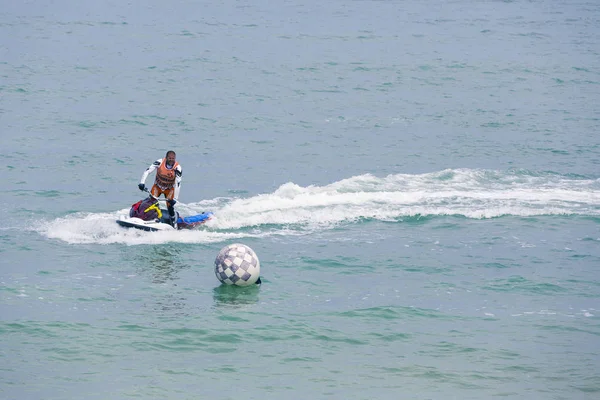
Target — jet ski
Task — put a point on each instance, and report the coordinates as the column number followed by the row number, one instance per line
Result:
column 151, row 214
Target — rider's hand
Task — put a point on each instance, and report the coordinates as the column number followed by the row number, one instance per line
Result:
column 142, row 187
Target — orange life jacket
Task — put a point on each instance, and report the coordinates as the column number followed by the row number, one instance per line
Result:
column 165, row 177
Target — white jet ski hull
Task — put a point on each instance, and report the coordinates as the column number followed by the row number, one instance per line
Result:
column 150, row 226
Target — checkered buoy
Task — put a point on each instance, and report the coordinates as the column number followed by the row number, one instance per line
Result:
column 237, row 264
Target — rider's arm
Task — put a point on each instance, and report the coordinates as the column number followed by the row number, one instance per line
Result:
column 177, row 182
column 149, row 170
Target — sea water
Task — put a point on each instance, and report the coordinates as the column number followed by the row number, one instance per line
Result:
column 420, row 181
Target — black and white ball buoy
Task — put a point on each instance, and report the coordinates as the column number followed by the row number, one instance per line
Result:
column 237, row 264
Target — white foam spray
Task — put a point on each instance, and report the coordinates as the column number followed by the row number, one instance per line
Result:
column 297, row 210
